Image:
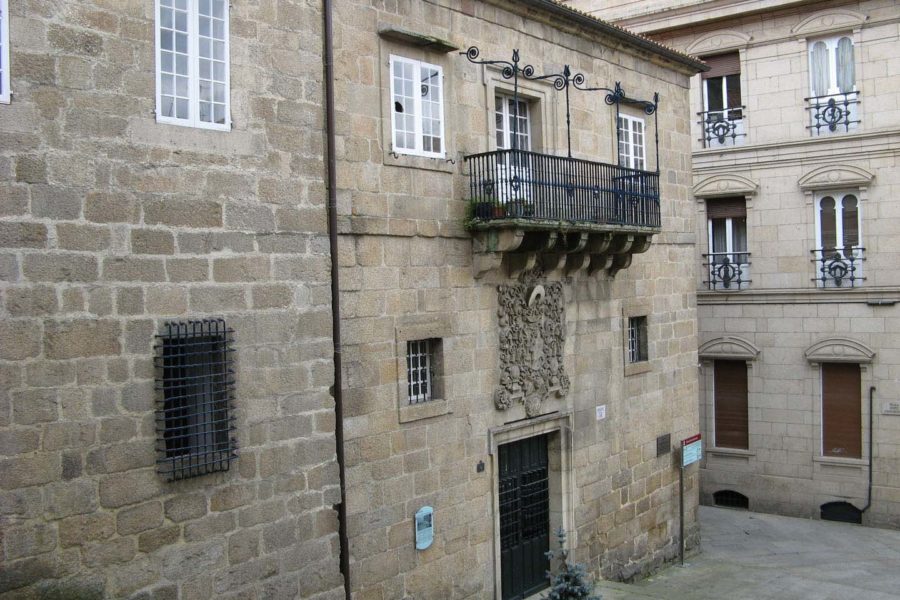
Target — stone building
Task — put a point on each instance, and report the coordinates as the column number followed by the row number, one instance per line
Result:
column 114, row 222
column 796, row 147
column 517, row 305
column 487, row 288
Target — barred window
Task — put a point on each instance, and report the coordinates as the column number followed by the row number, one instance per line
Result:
column 420, row 370
column 195, row 379
column 5, row 95
column 192, row 64
column 637, row 339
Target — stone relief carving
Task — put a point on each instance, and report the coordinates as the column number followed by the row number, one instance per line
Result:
column 830, row 176
column 729, row 347
column 531, row 322
column 839, row 349
column 719, row 185
column 829, row 20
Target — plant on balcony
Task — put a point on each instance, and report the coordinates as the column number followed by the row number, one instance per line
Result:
column 482, row 208
column 571, row 581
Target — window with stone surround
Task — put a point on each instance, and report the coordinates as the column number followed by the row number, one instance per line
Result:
column 637, row 340
column 841, row 410
column 833, row 100
column 722, row 116
column 192, row 63
column 839, row 252
column 731, row 429
column 632, row 152
column 421, row 346
column 5, row 94
column 195, row 382
column 417, row 115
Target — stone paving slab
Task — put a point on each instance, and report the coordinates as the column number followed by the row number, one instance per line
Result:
column 755, row 556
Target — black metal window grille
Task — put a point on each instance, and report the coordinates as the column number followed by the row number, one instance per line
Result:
column 731, row 499
column 722, row 127
column 195, row 382
column 727, row 270
column 420, row 370
column 637, row 339
column 834, row 113
column 839, row 268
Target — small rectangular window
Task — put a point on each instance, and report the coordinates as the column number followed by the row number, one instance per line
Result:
column 631, row 142
column 637, row 339
column 841, row 410
column 417, row 111
column 192, row 63
column 195, row 380
column 722, row 116
column 420, row 378
column 731, row 414
column 5, row 95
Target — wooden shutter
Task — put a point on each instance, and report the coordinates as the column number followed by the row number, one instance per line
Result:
column 731, row 404
column 723, row 208
column 721, row 65
column 841, row 410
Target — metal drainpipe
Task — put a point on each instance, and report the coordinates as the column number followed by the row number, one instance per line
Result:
column 871, row 447
column 330, row 161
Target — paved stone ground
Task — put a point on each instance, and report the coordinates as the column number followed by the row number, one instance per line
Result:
column 754, row 556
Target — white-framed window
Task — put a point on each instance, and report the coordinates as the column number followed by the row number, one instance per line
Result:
column 838, row 239
column 834, row 101
column 637, row 339
column 5, row 95
column 506, row 113
column 831, row 66
column 723, row 113
column 632, row 153
column 192, row 63
column 420, row 370
column 727, row 235
column 417, row 115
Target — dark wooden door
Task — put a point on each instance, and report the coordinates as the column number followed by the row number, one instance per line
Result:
column 524, row 517
column 841, row 410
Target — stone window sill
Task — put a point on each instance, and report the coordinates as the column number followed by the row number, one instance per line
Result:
column 425, row 410
column 834, row 461
column 638, row 368
column 424, row 163
column 730, row 452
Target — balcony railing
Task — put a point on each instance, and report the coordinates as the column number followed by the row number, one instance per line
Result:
column 516, row 184
column 839, row 268
column 835, row 113
column 722, row 127
column 727, row 270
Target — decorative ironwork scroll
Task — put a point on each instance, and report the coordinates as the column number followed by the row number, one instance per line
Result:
column 532, row 339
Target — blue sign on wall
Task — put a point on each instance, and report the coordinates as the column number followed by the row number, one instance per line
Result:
column 424, row 527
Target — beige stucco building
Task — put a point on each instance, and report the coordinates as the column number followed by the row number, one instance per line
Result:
column 514, row 317
column 796, row 147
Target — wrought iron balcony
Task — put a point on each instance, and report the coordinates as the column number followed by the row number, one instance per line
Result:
column 727, row 270
column 839, row 267
column 835, row 113
column 515, row 184
column 575, row 213
column 722, row 127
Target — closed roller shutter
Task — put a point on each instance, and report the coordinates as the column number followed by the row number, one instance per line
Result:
column 731, row 404
column 841, row 410
column 722, row 64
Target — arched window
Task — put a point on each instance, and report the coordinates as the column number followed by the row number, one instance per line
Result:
column 731, row 499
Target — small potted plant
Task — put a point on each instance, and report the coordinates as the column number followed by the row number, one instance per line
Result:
column 571, row 581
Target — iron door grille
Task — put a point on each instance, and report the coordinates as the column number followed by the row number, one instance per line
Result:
column 195, row 387
column 524, row 518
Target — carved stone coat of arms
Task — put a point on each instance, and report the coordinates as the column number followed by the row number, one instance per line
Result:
column 532, row 339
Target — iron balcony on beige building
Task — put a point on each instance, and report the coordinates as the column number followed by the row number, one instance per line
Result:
column 796, row 146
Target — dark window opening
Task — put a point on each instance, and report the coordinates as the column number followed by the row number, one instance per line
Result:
column 637, row 340
column 195, row 378
column 731, row 499
column 843, row 512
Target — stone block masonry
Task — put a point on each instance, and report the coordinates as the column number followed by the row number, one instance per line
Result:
column 112, row 224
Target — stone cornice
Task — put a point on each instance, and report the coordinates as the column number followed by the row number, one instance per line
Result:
column 718, row 41
column 839, row 349
column 731, row 347
column 831, row 20
column 836, row 176
column 725, row 185
column 884, row 296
